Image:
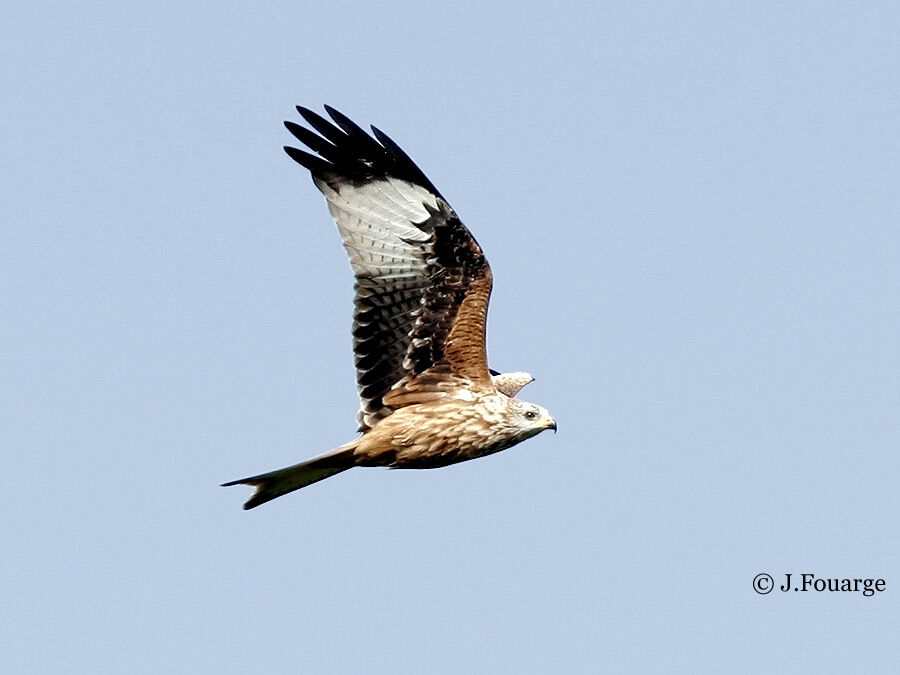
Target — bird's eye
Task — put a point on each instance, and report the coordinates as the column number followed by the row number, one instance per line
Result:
column 530, row 415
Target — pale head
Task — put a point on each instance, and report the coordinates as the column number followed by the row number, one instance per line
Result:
column 529, row 419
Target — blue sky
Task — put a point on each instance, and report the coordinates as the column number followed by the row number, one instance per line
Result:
column 691, row 211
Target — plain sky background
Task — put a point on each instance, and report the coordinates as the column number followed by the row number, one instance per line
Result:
column 693, row 216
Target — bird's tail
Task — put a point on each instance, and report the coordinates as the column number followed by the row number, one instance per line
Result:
column 277, row 483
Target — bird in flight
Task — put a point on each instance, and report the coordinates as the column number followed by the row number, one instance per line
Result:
column 428, row 398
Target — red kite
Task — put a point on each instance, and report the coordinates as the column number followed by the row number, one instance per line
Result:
column 427, row 396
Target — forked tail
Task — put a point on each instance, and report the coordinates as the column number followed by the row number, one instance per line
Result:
column 277, row 483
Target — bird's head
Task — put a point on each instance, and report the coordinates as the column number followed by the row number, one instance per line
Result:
column 531, row 419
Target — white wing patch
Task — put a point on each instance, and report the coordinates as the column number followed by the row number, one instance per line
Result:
column 381, row 207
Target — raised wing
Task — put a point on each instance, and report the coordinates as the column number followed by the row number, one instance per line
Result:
column 422, row 281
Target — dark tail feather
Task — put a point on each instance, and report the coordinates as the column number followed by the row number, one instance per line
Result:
column 277, row 483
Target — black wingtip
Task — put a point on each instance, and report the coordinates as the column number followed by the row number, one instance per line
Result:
column 382, row 137
column 323, row 126
column 316, row 165
column 349, row 127
column 347, row 151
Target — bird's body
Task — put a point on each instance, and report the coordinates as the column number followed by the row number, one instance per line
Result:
column 470, row 427
column 427, row 396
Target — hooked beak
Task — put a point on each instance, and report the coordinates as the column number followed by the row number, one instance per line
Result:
column 552, row 425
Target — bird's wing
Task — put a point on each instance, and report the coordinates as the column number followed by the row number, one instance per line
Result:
column 422, row 281
column 510, row 383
